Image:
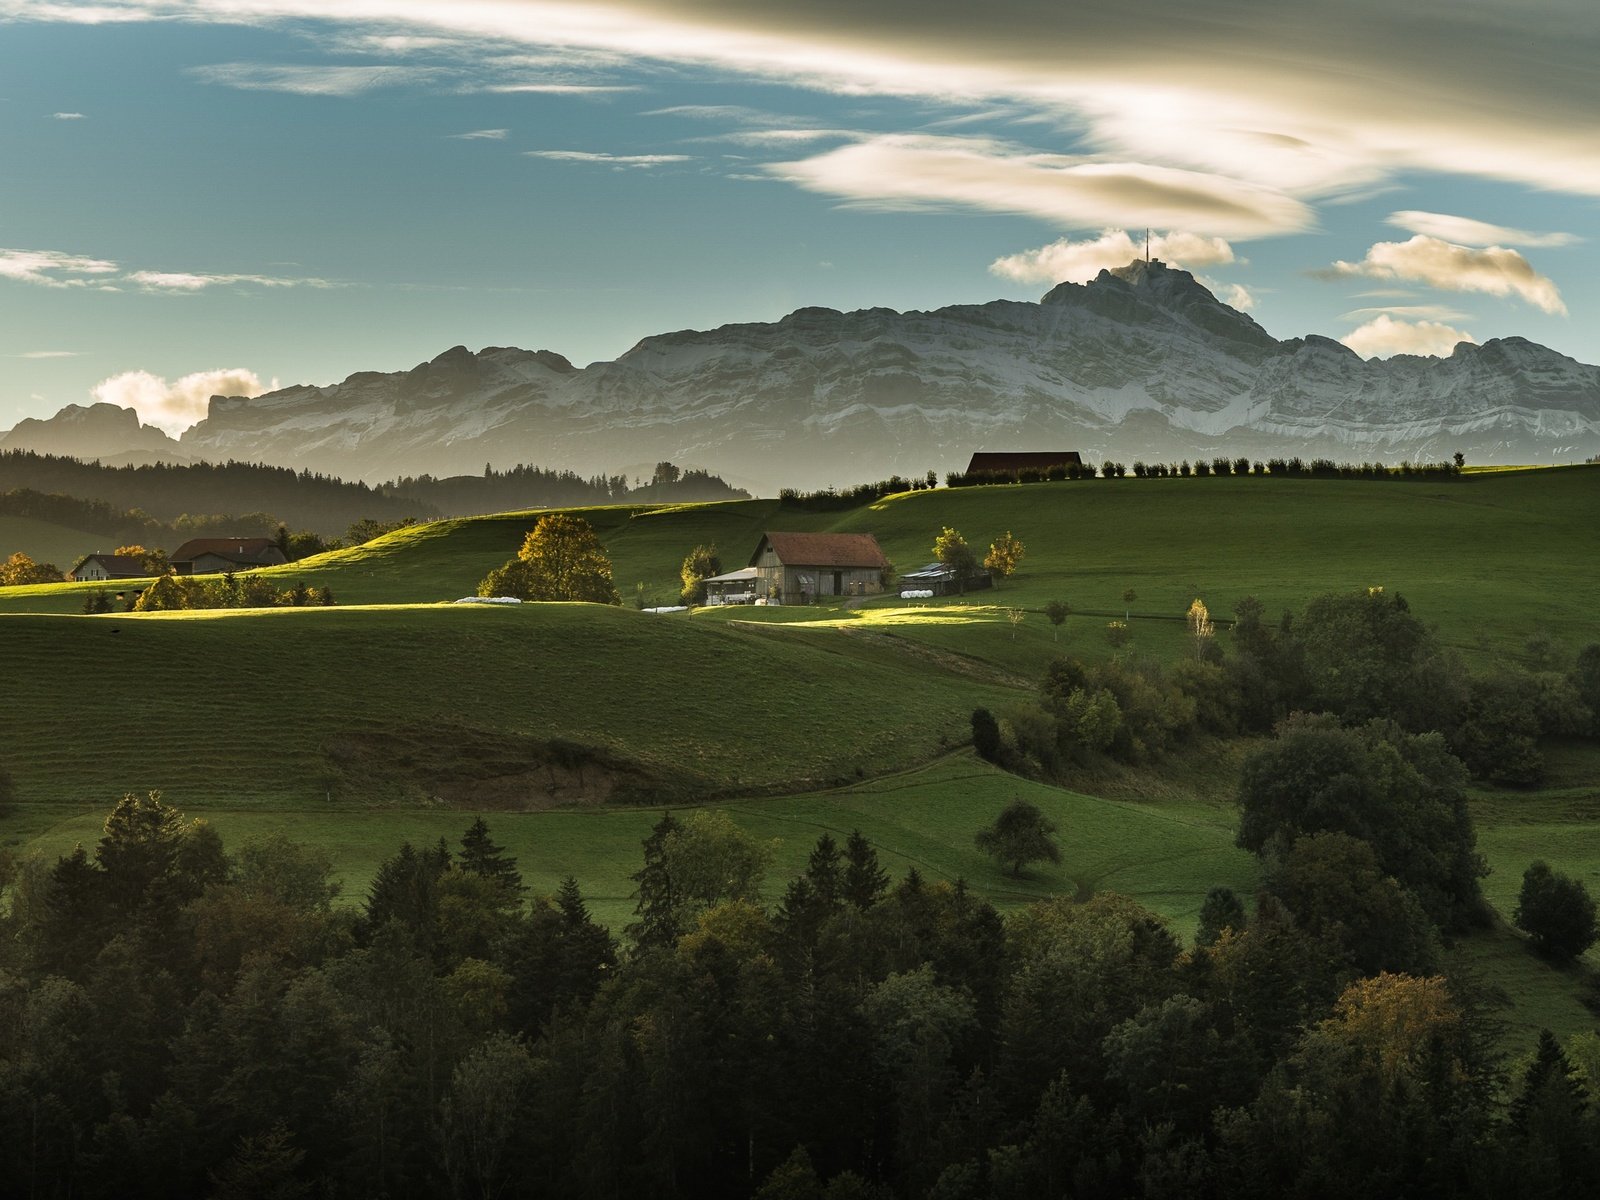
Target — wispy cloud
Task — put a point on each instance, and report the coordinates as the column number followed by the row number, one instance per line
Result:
column 1081, row 261
column 1422, row 312
column 51, row 354
column 65, row 116
column 560, row 89
column 58, row 269
column 615, row 160
column 1468, row 232
column 311, row 80
column 191, row 281
column 497, row 135
column 54, row 268
column 1384, row 337
column 923, row 172
column 1493, row 270
column 179, row 404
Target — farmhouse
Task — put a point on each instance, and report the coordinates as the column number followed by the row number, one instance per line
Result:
column 99, row 567
column 1012, row 462
column 208, row 556
column 798, row 567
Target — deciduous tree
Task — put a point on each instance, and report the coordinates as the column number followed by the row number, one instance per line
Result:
column 561, row 559
column 1005, row 554
column 1020, row 835
column 1556, row 912
column 701, row 564
column 952, row 551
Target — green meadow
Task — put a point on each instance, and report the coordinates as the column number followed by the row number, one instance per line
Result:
column 394, row 715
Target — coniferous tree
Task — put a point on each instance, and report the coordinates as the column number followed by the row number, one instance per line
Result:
column 864, row 880
column 481, row 855
column 1221, row 910
column 825, row 871
column 658, row 905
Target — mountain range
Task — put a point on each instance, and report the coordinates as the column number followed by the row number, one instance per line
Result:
column 1141, row 362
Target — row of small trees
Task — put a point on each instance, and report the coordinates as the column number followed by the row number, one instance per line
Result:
column 1293, row 468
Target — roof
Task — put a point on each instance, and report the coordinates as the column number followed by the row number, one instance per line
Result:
column 933, row 570
column 1022, row 460
column 234, row 549
column 823, row 550
column 117, row 564
column 742, row 575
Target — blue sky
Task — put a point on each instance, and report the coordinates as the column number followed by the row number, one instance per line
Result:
column 210, row 195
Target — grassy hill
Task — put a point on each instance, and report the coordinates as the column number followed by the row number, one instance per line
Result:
column 392, row 716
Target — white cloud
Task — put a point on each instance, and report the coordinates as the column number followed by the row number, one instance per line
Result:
column 53, row 268
column 1424, row 312
column 1384, row 336
column 616, row 160
column 496, row 135
column 1079, row 262
column 1494, row 270
column 1313, row 98
column 51, row 354
column 177, row 405
column 310, row 80
column 67, row 117
column 1468, row 232
column 1236, row 295
column 560, row 89
column 57, row 269
column 190, row 281
column 922, row 172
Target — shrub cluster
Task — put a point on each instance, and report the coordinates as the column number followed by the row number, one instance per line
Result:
column 834, row 499
column 171, row 593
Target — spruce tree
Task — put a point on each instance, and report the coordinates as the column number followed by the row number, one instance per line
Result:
column 481, row 855
column 864, row 880
column 825, row 873
column 658, row 903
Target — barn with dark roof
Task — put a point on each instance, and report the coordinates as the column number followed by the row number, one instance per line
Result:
column 793, row 568
column 207, row 556
column 1013, row 462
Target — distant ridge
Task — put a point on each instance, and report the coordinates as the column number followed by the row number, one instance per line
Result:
column 1141, row 362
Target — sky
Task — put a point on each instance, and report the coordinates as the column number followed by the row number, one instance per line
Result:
column 203, row 196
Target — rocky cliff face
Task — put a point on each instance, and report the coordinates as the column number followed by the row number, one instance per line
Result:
column 96, row 431
column 1142, row 362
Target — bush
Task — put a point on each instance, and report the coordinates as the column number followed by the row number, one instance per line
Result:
column 1556, row 912
column 986, row 735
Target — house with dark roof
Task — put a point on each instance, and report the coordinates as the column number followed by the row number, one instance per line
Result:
column 796, row 568
column 98, row 568
column 209, row 556
column 1013, row 462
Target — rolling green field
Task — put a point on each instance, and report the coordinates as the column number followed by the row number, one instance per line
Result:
column 393, row 716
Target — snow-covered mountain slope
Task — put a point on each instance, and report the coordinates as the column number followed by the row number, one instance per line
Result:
column 1143, row 362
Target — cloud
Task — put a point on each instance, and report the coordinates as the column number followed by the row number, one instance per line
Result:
column 311, row 80
column 176, row 406
column 51, row 354
column 53, row 268
column 57, row 269
column 1316, row 99
column 1426, row 312
column 1494, row 270
column 1079, row 262
column 616, row 160
column 1383, row 336
column 483, row 134
column 921, row 172
column 1236, row 295
column 1467, row 232
column 189, row 281
column 560, row 89
column 67, row 117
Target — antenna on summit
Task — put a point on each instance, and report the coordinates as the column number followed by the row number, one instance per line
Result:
column 1147, row 247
